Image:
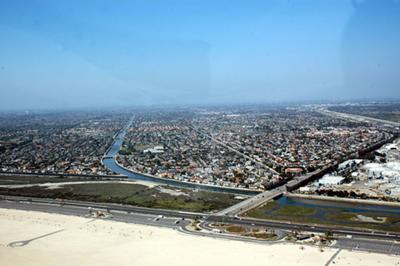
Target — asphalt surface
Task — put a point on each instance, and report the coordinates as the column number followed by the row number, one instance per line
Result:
column 391, row 247
column 359, row 118
column 116, row 215
column 253, row 201
column 380, row 242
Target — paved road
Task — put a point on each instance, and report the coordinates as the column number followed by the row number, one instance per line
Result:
column 361, row 239
column 280, row 234
column 341, row 231
column 103, row 206
column 117, row 215
column 392, row 247
column 359, row 118
column 265, row 196
column 117, row 208
column 253, row 202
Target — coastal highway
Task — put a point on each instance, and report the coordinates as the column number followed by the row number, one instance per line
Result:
column 170, row 217
column 358, row 118
column 76, row 209
column 111, row 207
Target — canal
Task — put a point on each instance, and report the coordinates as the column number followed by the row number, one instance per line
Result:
column 109, row 161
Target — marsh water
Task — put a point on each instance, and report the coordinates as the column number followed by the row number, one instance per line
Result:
column 372, row 216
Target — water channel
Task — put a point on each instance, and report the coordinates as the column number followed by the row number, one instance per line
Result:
column 109, row 161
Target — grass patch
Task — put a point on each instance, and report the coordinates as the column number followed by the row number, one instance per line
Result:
column 25, row 180
column 263, row 235
column 288, row 210
column 235, row 229
column 341, row 216
column 133, row 194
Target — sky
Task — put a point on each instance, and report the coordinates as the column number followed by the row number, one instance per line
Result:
column 104, row 53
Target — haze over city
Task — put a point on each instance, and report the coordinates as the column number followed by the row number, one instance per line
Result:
column 74, row 54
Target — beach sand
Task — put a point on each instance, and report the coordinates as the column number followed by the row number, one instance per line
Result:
column 69, row 240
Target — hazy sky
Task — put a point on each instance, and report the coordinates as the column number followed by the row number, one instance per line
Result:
column 65, row 54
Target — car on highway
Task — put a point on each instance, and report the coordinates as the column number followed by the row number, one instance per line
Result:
column 158, row 218
column 179, row 220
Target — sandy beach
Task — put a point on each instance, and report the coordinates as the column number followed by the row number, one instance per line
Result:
column 34, row 238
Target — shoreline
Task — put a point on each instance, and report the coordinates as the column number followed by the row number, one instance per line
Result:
column 55, row 239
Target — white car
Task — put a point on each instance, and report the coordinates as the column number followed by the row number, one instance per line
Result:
column 158, row 218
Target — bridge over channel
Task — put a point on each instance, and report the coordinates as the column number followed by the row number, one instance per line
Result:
column 252, row 202
column 268, row 195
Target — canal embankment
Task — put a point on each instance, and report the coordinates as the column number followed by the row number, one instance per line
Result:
column 346, row 200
